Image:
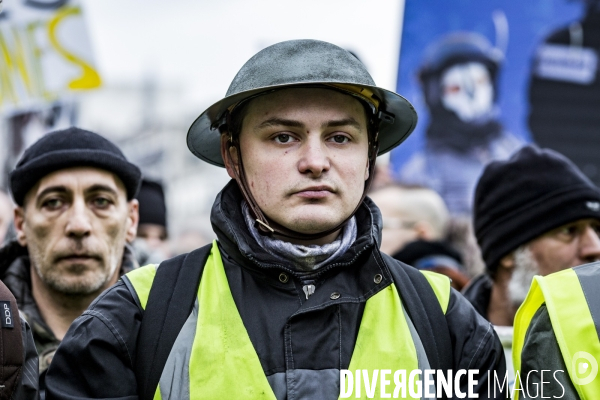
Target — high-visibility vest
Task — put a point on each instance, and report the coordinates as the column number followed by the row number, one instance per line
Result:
column 572, row 298
column 219, row 358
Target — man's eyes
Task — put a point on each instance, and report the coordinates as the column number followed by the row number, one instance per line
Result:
column 574, row 230
column 287, row 138
column 283, row 138
column 568, row 230
column 97, row 202
column 340, row 139
column 53, row 203
column 101, row 202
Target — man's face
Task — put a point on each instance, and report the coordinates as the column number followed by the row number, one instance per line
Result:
column 75, row 223
column 565, row 247
column 305, row 156
column 568, row 246
column 153, row 234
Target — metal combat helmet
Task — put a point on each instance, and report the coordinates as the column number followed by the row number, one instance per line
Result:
column 302, row 63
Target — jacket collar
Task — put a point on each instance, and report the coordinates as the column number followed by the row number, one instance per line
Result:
column 228, row 223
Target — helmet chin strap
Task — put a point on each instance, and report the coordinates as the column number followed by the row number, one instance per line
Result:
column 269, row 227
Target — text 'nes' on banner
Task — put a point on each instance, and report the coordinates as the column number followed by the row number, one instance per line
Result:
column 45, row 53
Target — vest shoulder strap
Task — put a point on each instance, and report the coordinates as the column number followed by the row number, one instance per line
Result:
column 178, row 279
column 426, row 308
column 11, row 344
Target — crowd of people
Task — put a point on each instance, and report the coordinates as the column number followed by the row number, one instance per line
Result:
column 312, row 272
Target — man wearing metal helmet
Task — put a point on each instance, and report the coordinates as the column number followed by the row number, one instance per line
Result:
column 294, row 290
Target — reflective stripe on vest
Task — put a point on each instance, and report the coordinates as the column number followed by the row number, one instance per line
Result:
column 229, row 367
column 572, row 298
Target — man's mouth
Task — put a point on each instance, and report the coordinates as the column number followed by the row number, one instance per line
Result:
column 315, row 192
column 74, row 258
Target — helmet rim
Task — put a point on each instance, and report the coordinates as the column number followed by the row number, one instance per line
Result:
column 204, row 139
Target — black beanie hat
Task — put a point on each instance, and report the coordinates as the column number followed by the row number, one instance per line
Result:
column 72, row 147
column 520, row 199
column 153, row 209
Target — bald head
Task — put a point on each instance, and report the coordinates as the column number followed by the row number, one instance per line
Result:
column 410, row 214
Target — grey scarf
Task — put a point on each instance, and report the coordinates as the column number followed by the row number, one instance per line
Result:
column 300, row 257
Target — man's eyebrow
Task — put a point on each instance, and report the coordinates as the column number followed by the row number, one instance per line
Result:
column 280, row 122
column 50, row 189
column 101, row 188
column 297, row 124
column 342, row 122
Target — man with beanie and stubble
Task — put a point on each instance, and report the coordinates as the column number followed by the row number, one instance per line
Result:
column 535, row 214
column 76, row 211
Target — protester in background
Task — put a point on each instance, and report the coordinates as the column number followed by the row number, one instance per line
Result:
column 6, row 216
column 295, row 289
column 76, row 212
column 415, row 223
column 535, row 214
column 556, row 331
column 151, row 246
column 409, row 214
column 459, row 77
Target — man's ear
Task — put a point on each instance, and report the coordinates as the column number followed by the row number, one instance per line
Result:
column 508, row 261
column 226, row 148
column 367, row 169
column 19, row 221
column 132, row 220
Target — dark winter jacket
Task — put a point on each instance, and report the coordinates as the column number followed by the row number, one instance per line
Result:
column 479, row 292
column 97, row 357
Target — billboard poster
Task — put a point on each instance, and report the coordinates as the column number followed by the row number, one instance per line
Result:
column 45, row 59
column 487, row 77
column 45, row 53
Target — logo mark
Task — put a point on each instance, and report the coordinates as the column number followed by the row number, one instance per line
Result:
column 593, row 205
column 582, row 363
column 6, row 315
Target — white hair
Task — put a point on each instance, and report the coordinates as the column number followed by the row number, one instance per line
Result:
column 526, row 267
column 417, row 205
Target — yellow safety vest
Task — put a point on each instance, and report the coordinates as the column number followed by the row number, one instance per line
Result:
column 572, row 298
column 225, row 360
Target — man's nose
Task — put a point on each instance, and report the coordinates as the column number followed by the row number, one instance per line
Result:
column 314, row 157
column 79, row 224
column 590, row 245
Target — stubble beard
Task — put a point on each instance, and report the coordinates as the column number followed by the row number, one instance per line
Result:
column 72, row 284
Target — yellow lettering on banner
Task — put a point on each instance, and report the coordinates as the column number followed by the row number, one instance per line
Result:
column 89, row 77
column 13, row 62
column 36, row 56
